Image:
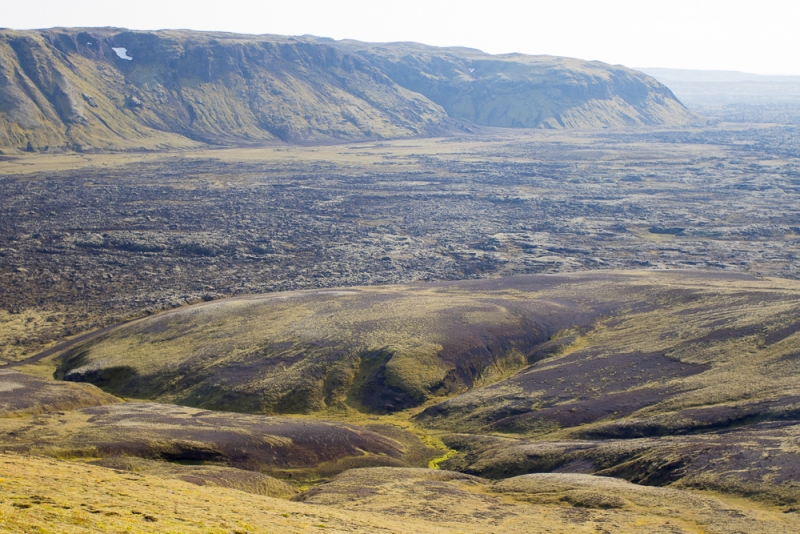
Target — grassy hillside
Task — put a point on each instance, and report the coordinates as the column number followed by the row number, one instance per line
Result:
column 694, row 354
column 540, row 398
column 626, row 353
column 289, row 448
column 39, row 494
column 21, row 395
column 371, row 349
column 757, row 460
column 661, row 378
column 520, row 91
column 70, row 89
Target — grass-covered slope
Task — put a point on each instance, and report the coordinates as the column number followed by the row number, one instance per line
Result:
column 590, row 503
column 21, row 394
column 40, row 494
column 687, row 379
column 614, row 354
column 69, row 89
column 521, row 91
column 759, row 461
column 291, row 448
column 379, row 349
column 682, row 380
column 694, row 354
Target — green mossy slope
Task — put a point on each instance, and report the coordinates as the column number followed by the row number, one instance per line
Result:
column 624, row 354
column 69, row 89
column 521, row 91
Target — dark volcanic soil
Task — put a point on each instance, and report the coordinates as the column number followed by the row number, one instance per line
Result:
column 581, row 388
column 761, row 461
column 22, row 394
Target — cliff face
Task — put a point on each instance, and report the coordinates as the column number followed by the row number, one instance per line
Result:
column 77, row 89
column 519, row 91
column 70, row 88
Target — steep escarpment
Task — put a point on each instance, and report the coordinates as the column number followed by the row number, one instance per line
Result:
column 80, row 90
column 520, row 91
column 112, row 89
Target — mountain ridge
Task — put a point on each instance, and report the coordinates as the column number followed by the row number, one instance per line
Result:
column 77, row 89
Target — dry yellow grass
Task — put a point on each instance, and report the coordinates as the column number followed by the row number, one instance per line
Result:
column 397, row 154
column 17, row 327
column 46, row 495
column 43, row 495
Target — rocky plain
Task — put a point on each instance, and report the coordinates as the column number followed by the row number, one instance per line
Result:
column 116, row 236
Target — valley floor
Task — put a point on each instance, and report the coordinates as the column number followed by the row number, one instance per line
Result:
column 88, row 240
column 523, row 331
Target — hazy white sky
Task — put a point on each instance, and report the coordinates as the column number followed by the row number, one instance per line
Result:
column 760, row 36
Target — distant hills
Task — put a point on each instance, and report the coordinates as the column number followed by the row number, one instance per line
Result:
column 720, row 87
column 715, row 76
column 114, row 89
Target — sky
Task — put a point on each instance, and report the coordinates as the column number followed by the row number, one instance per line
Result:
column 758, row 36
